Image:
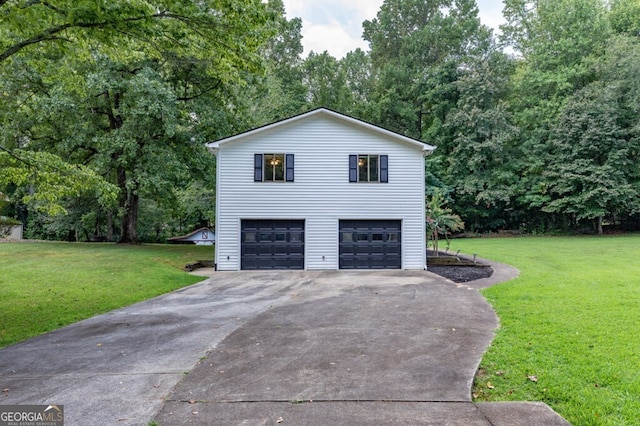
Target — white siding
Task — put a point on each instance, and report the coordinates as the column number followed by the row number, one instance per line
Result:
column 321, row 193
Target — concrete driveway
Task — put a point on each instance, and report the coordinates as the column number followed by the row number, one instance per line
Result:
column 304, row 348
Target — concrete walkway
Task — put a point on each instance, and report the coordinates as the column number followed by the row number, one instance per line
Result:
column 303, row 348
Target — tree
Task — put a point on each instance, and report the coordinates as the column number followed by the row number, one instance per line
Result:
column 441, row 220
column 592, row 169
column 557, row 41
column 359, row 76
column 326, row 82
column 591, row 175
column 281, row 92
column 416, row 48
column 624, row 17
column 479, row 162
column 134, row 87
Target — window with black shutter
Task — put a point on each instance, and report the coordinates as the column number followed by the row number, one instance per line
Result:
column 369, row 168
column 273, row 168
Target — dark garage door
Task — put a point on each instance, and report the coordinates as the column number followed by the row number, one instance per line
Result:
column 370, row 244
column 272, row 244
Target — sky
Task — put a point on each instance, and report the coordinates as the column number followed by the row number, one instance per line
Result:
column 336, row 25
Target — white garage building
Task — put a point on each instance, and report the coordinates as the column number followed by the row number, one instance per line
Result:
column 320, row 191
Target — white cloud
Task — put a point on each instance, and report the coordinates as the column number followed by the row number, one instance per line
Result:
column 332, row 37
column 336, row 25
column 490, row 12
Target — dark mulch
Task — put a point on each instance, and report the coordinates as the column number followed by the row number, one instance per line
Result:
column 459, row 274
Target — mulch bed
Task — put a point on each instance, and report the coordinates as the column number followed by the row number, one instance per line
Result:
column 461, row 274
column 457, row 268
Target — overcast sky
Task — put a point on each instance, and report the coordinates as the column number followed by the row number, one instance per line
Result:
column 336, row 25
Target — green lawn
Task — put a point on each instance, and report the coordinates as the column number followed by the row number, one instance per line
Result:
column 44, row 286
column 570, row 326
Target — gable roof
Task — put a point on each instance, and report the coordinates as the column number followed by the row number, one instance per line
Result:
column 191, row 234
column 426, row 148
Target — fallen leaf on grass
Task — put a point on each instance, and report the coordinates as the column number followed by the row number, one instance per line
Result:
column 533, row 378
column 490, row 386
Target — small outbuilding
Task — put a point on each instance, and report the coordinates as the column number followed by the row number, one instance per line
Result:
column 201, row 237
column 320, row 190
column 10, row 229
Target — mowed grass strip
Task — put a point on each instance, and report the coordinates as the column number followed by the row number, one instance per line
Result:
column 570, row 326
column 44, row 286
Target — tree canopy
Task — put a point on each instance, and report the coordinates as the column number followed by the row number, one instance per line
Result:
column 106, row 107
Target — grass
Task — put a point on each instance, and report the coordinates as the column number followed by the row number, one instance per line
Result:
column 569, row 326
column 44, row 286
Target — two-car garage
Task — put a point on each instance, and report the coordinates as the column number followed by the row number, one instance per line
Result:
column 320, row 191
column 280, row 244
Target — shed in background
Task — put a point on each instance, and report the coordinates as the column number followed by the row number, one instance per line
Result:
column 200, row 237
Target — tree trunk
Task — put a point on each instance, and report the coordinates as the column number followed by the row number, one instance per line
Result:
column 109, row 226
column 129, row 233
column 435, row 244
column 129, row 202
column 600, row 219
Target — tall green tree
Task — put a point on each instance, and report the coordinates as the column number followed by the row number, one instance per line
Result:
column 479, row 163
column 130, row 87
column 557, row 41
column 624, row 17
column 281, row 92
column 416, row 48
column 588, row 173
column 595, row 148
column 326, row 82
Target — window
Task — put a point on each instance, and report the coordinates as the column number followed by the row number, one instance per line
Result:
column 273, row 168
column 368, row 168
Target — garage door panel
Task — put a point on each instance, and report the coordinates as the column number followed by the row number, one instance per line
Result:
column 280, row 249
column 297, row 250
column 370, row 244
column 378, row 249
column 272, row 244
column 250, row 250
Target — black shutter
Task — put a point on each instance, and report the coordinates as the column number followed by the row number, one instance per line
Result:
column 384, row 168
column 353, row 168
column 289, row 168
column 257, row 168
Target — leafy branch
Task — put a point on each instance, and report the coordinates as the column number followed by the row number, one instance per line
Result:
column 52, row 33
column 50, row 179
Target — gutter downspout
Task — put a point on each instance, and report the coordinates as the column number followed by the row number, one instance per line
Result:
column 214, row 151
